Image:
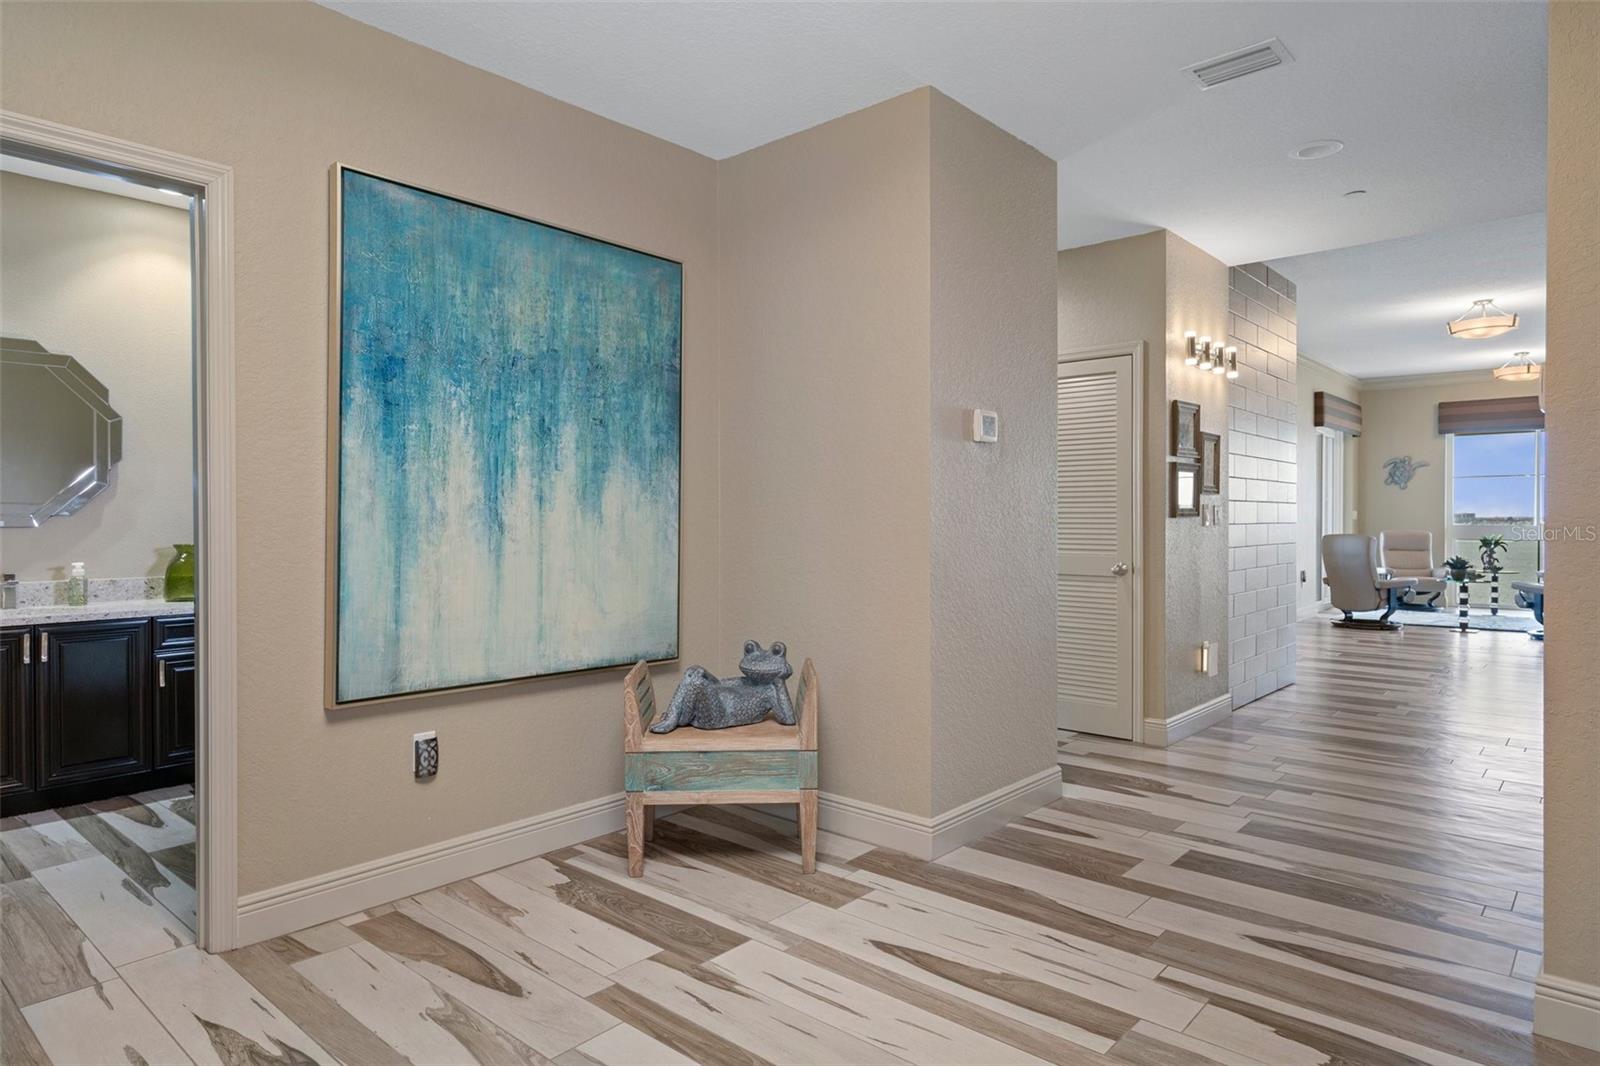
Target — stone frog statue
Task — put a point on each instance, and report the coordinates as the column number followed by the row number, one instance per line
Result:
column 707, row 703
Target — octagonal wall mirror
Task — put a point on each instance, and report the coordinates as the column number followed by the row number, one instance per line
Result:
column 59, row 435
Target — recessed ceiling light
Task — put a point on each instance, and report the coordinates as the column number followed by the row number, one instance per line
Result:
column 1355, row 194
column 1317, row 150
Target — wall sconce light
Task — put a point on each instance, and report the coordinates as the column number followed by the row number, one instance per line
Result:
column 1233, row 362
column 1207, row 356
column 1201, row 352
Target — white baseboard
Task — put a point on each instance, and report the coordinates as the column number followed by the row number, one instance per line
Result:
column 1161, row 732
column 300, row 904
column 1311, row 610
column 1564, row 1009
column 928, row 838
column 326, row 897
column 982, row 816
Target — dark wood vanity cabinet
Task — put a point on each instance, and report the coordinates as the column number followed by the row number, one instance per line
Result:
column 174, row 691
column 92, row 694
column 95, row 709
column 16, row 719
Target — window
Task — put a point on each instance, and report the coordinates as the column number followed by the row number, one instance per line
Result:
column 1497, row 488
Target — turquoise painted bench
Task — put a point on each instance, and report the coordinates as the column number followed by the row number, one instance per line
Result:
column 761, row 763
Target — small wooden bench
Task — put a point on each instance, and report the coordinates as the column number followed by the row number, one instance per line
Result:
column 761, row 763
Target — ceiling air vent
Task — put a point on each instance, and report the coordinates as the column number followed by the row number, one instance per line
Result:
column 1213, row 72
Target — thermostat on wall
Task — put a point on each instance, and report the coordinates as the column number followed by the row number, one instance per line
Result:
column 985, row 426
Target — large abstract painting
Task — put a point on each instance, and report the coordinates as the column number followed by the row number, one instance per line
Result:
column 504, row 487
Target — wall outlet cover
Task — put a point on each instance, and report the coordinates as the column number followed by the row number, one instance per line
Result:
column 425, row 754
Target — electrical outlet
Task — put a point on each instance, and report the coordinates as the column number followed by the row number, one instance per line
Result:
column 425, row 754
column 1302, row 577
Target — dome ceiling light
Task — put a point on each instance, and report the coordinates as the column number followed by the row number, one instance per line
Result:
column 1483, row 319
column 1520, row 368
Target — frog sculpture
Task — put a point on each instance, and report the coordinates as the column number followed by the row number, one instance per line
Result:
column 705, row 702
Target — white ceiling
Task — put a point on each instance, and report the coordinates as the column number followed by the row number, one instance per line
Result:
column 1379, row 310
column 1441, row 104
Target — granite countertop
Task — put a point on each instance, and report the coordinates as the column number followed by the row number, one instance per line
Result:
column 96, row 611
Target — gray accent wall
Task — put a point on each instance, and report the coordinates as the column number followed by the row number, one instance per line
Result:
column 1261, row 485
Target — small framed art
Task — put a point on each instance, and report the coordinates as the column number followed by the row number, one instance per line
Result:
column 1210, row 463
column 1186, row 430
column 1183, row 489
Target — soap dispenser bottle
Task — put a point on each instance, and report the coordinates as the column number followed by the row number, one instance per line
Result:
column 77, row 586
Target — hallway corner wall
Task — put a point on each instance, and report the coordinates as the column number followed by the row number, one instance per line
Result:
column 1567, row 1001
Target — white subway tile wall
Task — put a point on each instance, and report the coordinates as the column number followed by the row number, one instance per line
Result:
column 1261, row 483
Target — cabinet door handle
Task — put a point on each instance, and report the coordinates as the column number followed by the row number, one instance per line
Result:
column 27, row 648
column 44, row 647
column 161, row 674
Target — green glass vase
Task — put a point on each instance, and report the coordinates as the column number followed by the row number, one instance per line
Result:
column 180, row 575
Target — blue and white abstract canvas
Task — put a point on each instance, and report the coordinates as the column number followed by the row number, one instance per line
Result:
column 508, row 450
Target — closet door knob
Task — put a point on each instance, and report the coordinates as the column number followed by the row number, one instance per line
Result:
column 1119, row 569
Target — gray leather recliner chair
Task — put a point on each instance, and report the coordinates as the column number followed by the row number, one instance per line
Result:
column 1350, row 570
column 1409, row 553
column 1530, row 594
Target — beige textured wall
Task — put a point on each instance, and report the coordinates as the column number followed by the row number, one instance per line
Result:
column 1404, row 421
column 1152, row 288
column 1311, row 378
column 993, row 520
column 105, row 279
column 1116, row 293
column 279, row 92
column 1196, row 555
column 825, row 334
column 1572, row 619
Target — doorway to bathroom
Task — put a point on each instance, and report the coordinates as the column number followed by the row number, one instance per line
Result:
column 116, row 657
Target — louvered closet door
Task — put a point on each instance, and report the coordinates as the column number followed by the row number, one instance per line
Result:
column 1094, row 546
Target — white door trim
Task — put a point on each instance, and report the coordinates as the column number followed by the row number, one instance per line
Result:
column 1330, row 501
column 217, row 664
column 1137, row 352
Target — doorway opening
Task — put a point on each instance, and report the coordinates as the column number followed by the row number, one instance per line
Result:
column 98, row 531
column 119, row 670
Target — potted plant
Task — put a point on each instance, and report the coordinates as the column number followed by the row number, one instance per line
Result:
column 1458, row 567
column 1489, row 549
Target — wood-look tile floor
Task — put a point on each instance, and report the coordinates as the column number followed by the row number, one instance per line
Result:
column 1345, row 872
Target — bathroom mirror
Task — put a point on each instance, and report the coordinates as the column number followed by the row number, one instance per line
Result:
column 59, row 435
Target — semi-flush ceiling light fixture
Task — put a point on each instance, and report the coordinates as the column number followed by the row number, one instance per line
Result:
column 1483, row 319
column 1520, row 368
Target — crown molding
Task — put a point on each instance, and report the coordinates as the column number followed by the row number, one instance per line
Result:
column 1412, row 381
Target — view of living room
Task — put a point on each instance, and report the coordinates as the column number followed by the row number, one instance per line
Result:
column 1422, row 413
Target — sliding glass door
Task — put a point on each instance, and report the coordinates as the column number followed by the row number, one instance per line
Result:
column 1497, row 488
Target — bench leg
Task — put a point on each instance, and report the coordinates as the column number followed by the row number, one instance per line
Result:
column 808, row 830
column 635, row 821
column 649, row 824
